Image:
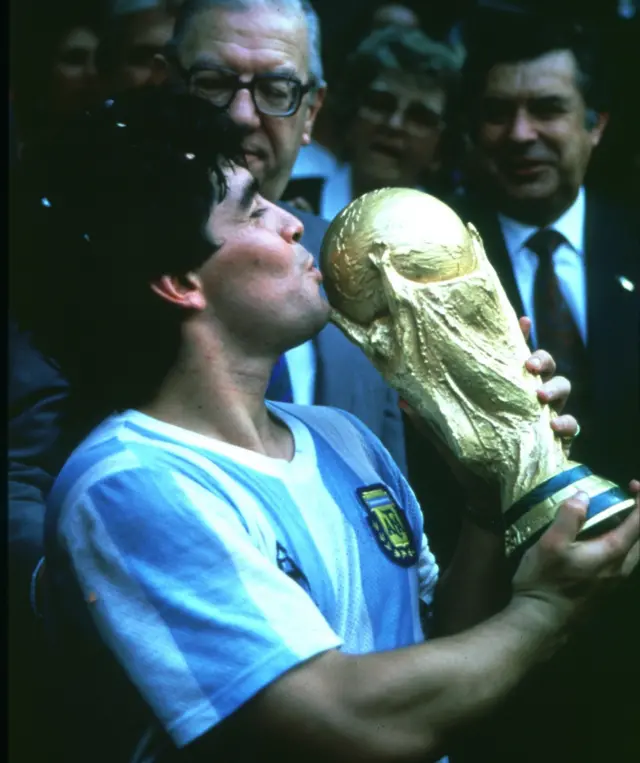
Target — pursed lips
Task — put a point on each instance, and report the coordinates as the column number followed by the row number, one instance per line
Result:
column 310, row 267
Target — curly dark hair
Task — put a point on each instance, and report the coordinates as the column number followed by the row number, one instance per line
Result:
column 115, row 199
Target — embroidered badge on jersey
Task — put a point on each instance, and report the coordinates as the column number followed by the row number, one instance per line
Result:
column 389, row 524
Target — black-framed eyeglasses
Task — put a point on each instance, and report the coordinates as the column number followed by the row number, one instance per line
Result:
column 275, row 95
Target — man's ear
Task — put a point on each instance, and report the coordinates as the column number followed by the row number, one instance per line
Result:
column 183, row 291
column 159, row 70
column 312, row 113
column 597, row 126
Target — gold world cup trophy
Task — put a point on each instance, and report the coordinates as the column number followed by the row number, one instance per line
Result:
column 411, row 285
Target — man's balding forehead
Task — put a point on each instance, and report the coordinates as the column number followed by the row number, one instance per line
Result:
column 290, row 10
column 192, row 9
column 197, row 44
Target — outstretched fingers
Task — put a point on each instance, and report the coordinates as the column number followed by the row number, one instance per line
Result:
column 541, row 364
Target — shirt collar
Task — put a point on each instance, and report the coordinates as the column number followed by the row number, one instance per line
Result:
column 337, row 191
column 570, row 224
column 314, row 161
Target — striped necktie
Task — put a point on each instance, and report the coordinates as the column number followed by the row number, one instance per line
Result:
column 279, row 387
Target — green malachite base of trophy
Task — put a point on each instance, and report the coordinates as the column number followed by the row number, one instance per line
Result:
column 527, row 519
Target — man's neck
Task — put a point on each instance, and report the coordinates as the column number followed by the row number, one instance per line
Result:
column 221, row 395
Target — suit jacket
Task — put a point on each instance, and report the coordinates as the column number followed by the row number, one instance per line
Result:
column 612, row 250
column 48, row 419
column 37, row 398
column 583, row 704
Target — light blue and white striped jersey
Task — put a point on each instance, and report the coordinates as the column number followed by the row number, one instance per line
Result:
column 210, row 570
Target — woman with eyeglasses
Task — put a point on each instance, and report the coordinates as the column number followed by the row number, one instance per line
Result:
column 391, row 108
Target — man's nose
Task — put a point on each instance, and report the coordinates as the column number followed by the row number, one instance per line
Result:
column 243, row 111
column 292, row 227
column 523, row 128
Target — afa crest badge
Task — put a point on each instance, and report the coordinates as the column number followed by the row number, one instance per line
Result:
column 389, row 525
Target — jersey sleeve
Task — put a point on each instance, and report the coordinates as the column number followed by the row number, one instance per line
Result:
column 198, row 616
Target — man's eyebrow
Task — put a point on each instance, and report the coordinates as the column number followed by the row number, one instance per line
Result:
column 550, row 100
column 285, row 70
column 505, row 98
column 207, row 63
column 249, row 192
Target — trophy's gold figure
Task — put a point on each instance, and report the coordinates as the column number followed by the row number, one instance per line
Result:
column 412, row 286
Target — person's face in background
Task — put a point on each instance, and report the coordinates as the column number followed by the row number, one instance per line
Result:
column 395, row 135
column 74, row 77
column 142, row 36
column 532, row 138
column 246, row 44
column 394, row 14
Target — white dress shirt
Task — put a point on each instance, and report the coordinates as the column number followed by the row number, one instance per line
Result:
column 314, row 161
column 337, row 192
column 568, row 262
column 301, row 363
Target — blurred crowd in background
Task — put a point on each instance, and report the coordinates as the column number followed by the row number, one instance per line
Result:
column 391, row 69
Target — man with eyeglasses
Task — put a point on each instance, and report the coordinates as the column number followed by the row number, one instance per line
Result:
column 260, row 60
column 254, row 58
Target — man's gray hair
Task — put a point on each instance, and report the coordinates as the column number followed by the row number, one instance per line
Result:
column 191, row 8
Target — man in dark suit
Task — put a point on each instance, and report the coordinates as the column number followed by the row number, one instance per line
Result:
column 567, row 259
column 570, row 261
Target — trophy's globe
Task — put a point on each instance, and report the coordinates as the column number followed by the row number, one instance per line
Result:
column 425, row 238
